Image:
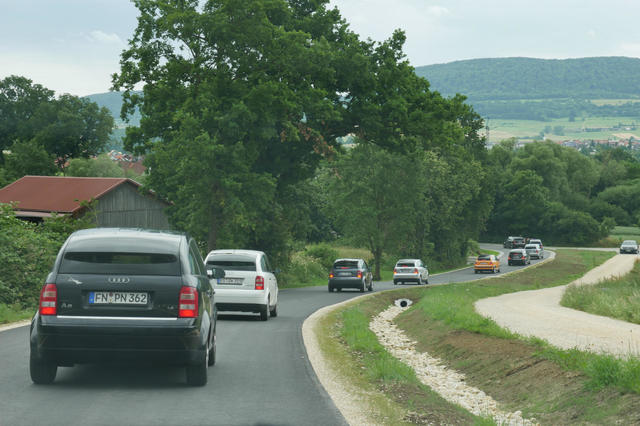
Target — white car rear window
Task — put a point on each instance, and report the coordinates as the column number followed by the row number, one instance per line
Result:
column 233, row 262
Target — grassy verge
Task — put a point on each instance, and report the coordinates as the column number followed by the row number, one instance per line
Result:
column 551, row 385
column 619, row 298
column 12, row 313
column 394, row 394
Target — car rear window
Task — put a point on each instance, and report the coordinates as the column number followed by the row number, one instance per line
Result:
column 120, row 263
column 531, row 246
column 406, row 264
column 346, row 264
column 484, row 257
column 233, row 263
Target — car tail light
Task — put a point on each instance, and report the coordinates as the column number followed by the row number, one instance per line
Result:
column 259, row 282
column 48, row 299
column 359, row 274
column 331, row 275
column 415, row 270
column 188, row 302
column 395, row 270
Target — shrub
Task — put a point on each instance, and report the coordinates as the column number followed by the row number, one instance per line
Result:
column 324, row 254
column 27, row 253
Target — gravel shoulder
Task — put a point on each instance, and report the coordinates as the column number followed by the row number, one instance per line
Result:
column 538, row 313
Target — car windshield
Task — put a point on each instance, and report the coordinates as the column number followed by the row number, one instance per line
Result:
column 629, row 243
column 233, row 263
column 120, row 263
column 345, row 264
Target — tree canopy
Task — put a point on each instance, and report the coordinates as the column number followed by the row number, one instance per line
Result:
column 65, row 127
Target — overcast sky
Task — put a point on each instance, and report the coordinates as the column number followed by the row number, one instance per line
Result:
column 73, row 46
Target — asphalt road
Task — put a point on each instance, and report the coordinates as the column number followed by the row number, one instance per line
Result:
column 262, row 376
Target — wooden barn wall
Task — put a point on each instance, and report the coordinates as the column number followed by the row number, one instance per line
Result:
column 126, row 207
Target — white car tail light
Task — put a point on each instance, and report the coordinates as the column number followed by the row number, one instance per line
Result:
column 48, row 299
column 188, row 302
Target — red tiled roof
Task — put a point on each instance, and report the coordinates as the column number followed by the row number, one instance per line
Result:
column 57, row 194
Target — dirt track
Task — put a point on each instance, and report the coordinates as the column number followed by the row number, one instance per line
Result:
column 538, row 313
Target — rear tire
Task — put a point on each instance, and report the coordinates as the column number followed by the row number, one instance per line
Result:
column 212, row 351
column 426, row 281
column 42, row 371
column 330, row 289
column 371, row 286
column 395, row 282
column 362, row 287
column 274, row 312
column 197, row 373
column 264, row 312
column 475, row 271
column 420, row 281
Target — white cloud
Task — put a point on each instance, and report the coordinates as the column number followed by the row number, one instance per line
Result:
column 592, row 33
column 102, row 37
column 438, row 11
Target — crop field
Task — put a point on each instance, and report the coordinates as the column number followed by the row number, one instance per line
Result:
column 626, row 233
column 501, row 129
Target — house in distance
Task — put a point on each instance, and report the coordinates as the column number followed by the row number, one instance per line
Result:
column 119, row 202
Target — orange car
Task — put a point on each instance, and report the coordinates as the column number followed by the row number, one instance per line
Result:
column 487, row 262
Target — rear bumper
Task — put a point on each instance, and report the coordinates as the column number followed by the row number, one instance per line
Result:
column 518, row 261
column 77, row 340
column 241, row 300
column 346, row 282
column 484, row 267
column 406, row 278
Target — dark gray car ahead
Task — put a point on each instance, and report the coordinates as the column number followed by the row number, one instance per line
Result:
column 350, row 273
column 120, row 295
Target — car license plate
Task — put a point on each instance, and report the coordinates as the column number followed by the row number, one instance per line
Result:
column 117, row 298
column 344, row 274
column 230, row 281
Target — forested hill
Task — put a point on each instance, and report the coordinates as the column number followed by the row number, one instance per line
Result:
column 113, row 102
column 529, row 78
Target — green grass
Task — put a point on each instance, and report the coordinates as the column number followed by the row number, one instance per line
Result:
column 618, row 298
column 626, row 233
column 386, row 372
column 453, row 306
column 13, row 313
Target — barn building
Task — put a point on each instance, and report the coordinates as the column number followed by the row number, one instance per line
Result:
column 119, row 201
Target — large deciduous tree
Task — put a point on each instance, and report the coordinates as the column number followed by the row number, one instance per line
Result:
column 241, row 99
column 66, row 127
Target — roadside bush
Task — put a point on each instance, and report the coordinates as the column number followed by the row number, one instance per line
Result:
column 324, row 254
column 27, row 252
column 301, row 269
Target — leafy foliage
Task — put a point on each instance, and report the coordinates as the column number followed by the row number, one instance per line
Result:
column 66, row 127
column 28, row 252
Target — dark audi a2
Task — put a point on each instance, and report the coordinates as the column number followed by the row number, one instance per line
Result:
column 122, row 295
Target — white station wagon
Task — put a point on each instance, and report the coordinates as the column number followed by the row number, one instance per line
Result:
column 410, row 270
column 249, row 284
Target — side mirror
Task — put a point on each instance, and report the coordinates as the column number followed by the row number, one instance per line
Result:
column 215, row 273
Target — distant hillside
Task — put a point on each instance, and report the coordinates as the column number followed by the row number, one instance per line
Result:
column 528, row 78
column 113, row 102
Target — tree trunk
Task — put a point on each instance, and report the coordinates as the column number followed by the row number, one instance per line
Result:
column 377, row 259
